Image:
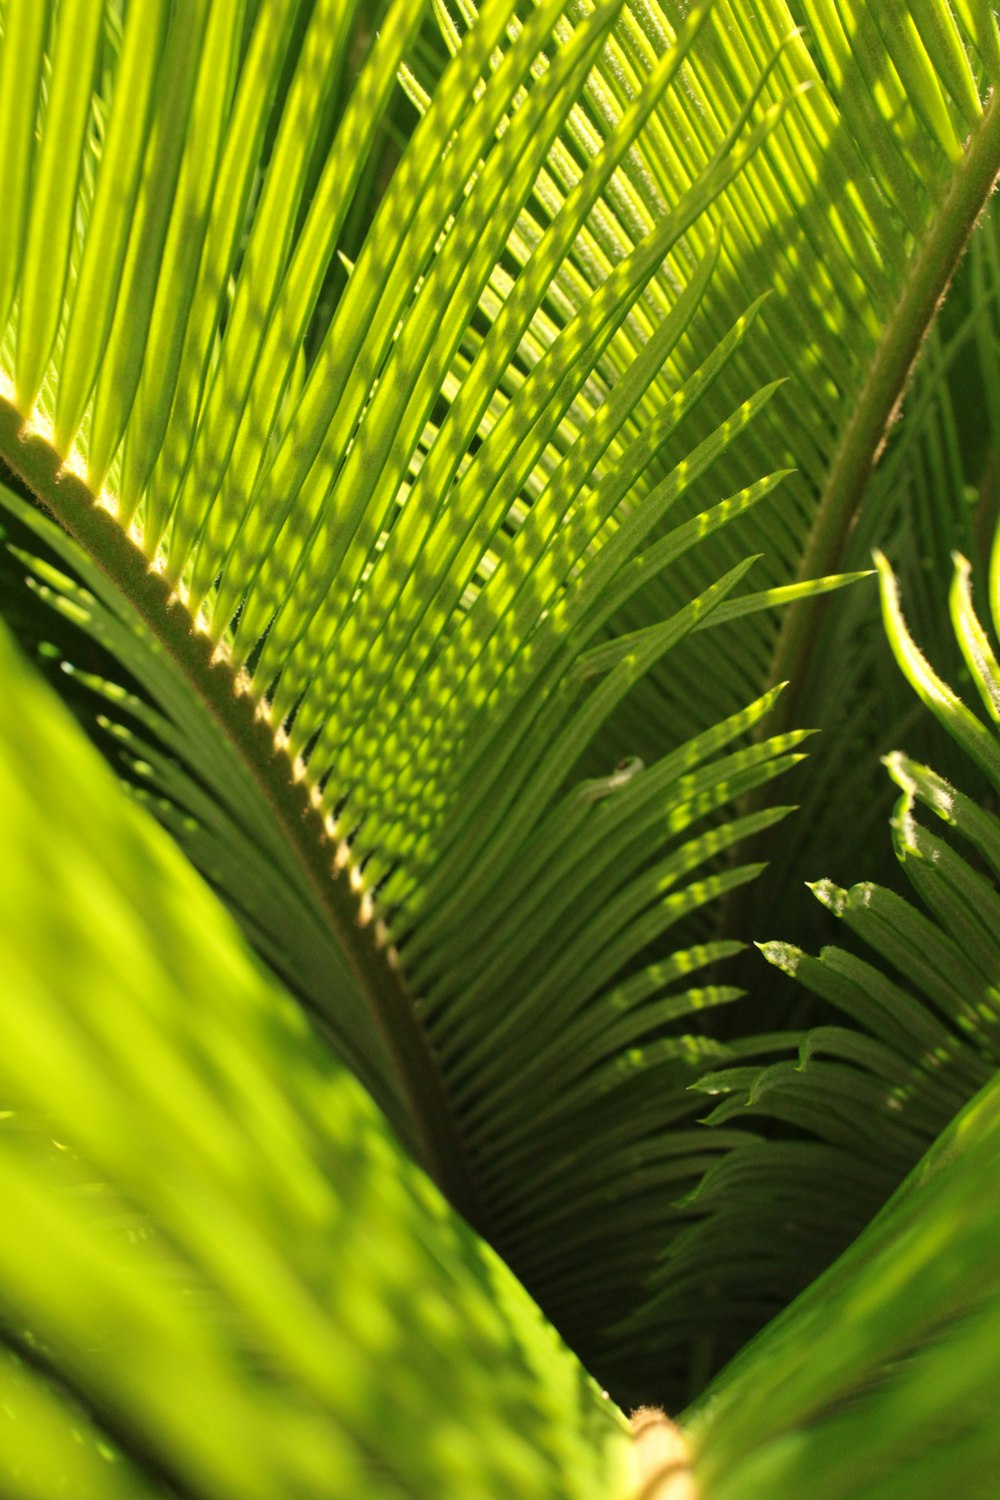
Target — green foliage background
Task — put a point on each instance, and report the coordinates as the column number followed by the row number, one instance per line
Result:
column 430, row 438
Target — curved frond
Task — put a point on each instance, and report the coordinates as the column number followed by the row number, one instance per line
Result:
column 363, row 587
column 879, row 1380
column 932, row 493
column 853, row 215
column 923, row 1003
column 226, row 1277
column 426, row 551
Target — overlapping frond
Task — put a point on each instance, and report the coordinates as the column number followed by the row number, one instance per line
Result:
column 417, row 563
column 224, row 1276
column 853, row 215
column 946, row 955
column 943, row 1022
column 363, row 586
column 914, row 1020
column 933, row 493
column 881, row 1379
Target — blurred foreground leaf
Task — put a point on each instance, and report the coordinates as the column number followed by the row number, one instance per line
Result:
column 215, row 1246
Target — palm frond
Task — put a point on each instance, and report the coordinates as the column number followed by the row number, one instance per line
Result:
column 419, row 562
column 399, row 598
column 881, row 1379
column 932, row 493
column 880, row 151
column 923, row 1007
column 226, row 1275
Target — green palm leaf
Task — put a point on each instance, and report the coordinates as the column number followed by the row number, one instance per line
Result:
column 289, row 1299
column 833, row 180
column 879, row 1380
column 925, row 1016
column 368, row 591
column 406, row 566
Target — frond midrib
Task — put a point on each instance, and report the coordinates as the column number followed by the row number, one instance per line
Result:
column 877, row 404
column 237, row 713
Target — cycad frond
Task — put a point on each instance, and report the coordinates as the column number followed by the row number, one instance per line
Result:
column 881, row 1379
column 949, row 1023
column 400, row 578
column 294, row 1309
column 932, row 494
column 923, row 1004
column 853, row 215
column 418, row 563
